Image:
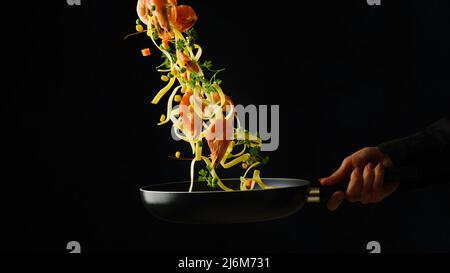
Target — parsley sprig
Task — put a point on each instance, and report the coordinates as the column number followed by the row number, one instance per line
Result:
column 206, row 176
column 208, row 85
column 192, row 37
column 256, row 156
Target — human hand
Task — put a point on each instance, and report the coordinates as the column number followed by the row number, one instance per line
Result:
column 365, row 168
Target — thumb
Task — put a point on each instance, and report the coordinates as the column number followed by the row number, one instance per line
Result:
column 339, row 175
column 335, row 200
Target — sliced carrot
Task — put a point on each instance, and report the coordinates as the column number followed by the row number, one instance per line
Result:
column 249, row 183
column 182, row 58
column 216, row 97
column 165, row 43
column 146, row 52
column 185, row 100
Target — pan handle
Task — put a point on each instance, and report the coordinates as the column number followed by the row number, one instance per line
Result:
column 407, row 175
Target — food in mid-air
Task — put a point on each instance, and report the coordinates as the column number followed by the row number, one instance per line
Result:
column 197, row 106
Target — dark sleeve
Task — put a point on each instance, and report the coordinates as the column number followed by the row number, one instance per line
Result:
column 429, row 150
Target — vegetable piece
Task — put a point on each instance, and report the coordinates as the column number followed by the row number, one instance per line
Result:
column 139, row 28
column 191, row 188
column 165, row 44
column 169, row 106
column 167, row 21
column 257, row 178
column 163, row 91
column 219, row 182
column 146, row 52
column 180, row 45
column 198, row 151
column 250, row 183
column 236, row 161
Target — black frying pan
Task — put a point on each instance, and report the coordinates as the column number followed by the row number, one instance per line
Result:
column 171, row 202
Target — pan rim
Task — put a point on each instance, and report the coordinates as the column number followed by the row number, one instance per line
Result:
column 143, row 189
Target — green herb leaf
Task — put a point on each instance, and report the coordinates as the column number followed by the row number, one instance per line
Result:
column 203, row 172
column 265, row 161
column 192, row 37
column 165, row 64
column 254, row 151
column 181, row 45
column 207, row 65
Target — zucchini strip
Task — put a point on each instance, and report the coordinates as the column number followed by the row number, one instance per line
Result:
column 163, row 91
column 221, row 94
column 192, row 175
column 219, row 182
column 169, row 106
column 251, row 167
column 228, row 152
column 238, row 154
column 236, row 161
column 257, row 178
column 198, row 151
column 199, row 52
column 214, row 174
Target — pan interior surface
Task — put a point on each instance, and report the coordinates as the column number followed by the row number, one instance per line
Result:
column 202, row 187
column 171, row 202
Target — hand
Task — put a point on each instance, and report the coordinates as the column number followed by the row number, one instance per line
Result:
column 365, row 168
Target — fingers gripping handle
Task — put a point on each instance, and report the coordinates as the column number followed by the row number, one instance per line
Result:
column 407, row 175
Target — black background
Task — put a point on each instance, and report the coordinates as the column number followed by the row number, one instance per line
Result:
column 80, row 135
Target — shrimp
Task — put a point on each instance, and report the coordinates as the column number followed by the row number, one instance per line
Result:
column 220, row 132
column 219, row 139
column 164, row 11
column 185, row 18
column 205, row 112
column 143, row 11
column 185, row 61
column 192, row 123
column 166, row 15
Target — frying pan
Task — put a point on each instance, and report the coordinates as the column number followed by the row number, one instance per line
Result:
column 172, row 203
